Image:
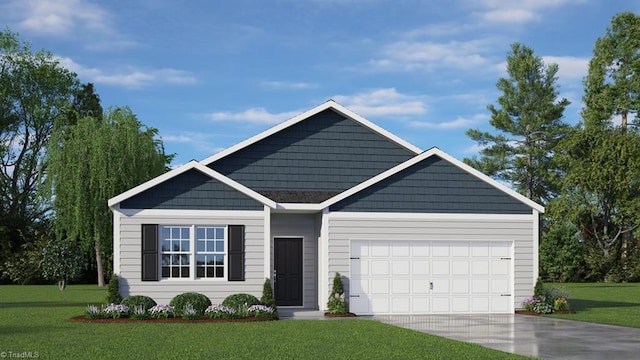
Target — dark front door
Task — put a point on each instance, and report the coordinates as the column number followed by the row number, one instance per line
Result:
column 288, row 271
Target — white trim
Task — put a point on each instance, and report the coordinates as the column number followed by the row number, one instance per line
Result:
column 192, row 214
column 267, row 243
column 425, row 155
column 182, row 169
column 536, row 244
column 116, row 239
column 323, row 264
column 329, row 104
column 299, row 207
column 429, row 216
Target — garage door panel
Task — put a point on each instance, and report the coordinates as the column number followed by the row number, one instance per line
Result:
column 430, row 277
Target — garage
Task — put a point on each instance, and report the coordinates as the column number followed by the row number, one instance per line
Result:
column 430, row 277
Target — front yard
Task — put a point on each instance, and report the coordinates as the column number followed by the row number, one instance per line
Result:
column 34, row 320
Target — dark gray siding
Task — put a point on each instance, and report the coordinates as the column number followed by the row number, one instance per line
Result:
column 432, row 186
column 326, row 152
column 192, row 190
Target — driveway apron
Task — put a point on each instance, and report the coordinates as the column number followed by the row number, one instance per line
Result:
column 543, row 337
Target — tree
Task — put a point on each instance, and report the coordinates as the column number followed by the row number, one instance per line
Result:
column 35, row 92
column 85, row 103
column 612, row 85
column 561, row 253
column 601, row 190
column 92, row 161
column 62, row 260
column 528, row 123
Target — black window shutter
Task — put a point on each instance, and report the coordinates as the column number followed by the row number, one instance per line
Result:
column 149, row 252
column 236, row 252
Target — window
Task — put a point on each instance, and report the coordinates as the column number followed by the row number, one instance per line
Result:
column 193, row 252
column 210, row 252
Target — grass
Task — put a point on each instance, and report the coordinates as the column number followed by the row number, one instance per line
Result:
column 606, row 303
column 35, row 319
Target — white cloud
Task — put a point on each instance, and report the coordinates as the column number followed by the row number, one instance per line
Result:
column 254, row 115
column 517, row 12
column 201, row 142
column 59, row 17
column 288, row 85
column 510, row 16
column 132, row 78
column 569, row 67
column 459, row 122
column 383, row 102
column 431, row 56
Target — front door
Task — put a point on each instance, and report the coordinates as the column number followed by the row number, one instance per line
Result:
column 288, row 271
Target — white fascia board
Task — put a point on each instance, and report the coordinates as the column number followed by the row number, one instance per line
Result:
column 418, row 158
column 299, row 206
column 180, row 170
column 329, row 104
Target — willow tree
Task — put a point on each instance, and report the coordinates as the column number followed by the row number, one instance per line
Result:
column 92, row 161
column 528, row 125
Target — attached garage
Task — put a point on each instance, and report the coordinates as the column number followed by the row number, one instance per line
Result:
column 430, row 277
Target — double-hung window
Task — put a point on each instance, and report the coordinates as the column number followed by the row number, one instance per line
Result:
column 193, row 252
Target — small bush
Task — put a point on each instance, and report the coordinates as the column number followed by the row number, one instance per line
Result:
column 262, row 311
column 190, row 313
column 267, row 294
column 240, row 302
column 337, row 303
column 113, row 290
column 539, row 290
column 139, row 300
column 560, row 304
column 116, row 311
column 198, row 301
column 139, row 313
column 94, row 312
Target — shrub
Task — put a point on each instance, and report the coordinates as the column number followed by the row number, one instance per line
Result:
column 161, row 311
column 220, row 312
column 94, row 312
column 337, row 303
column 116, row 311
column 542, row 307
column 240, row 302
column 198, row 301
column 538, row 289
column 529, row 303
column 139, row 300
column 139, row 313
column 560, row 304
column 267, row 294
column 113, row 291
column 190, row 313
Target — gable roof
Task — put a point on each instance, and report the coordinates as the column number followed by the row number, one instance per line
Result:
column 184, row 168
column 415, row 160
column 329, row 104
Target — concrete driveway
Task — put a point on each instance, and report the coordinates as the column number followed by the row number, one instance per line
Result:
column 538, row 336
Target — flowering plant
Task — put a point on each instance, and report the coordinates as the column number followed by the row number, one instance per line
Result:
column 189, row 313
column 261, row 310
column 529, row 303
column 162, row 311
column 93, row 312
column 116, row 311
column 560, row 304
column 139, row 313
column 220, row 311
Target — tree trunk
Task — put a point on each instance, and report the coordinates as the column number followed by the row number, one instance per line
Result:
column 62, row 284
column 99, row 265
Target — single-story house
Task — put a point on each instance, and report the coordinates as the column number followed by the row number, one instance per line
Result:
column 410, row 231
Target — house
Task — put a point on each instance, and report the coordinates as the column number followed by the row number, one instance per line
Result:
column 328, row 191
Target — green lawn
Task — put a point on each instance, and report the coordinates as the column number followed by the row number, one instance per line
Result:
column 35, row 319
column 606, row 303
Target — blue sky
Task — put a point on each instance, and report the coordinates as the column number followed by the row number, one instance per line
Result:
column 209, row 74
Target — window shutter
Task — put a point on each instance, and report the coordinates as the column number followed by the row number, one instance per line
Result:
column 149, row 252
column 236, row 252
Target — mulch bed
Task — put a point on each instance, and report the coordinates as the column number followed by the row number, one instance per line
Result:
column 526, row 312
column 328, row 314
column 204, row 319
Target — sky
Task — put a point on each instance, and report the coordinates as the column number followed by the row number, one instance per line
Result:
column 210, row 74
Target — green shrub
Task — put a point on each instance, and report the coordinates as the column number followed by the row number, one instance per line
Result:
column 267, row 294
column 337, row 303
column 113, row 291
column 240, row 302
column 139, row 301
column 198, row 301
column 539, row 290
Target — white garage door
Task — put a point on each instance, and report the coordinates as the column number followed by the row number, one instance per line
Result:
column 430, row 277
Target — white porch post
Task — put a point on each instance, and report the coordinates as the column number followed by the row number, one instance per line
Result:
column 323, row 261
column 267, row 242
column 536, row 244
